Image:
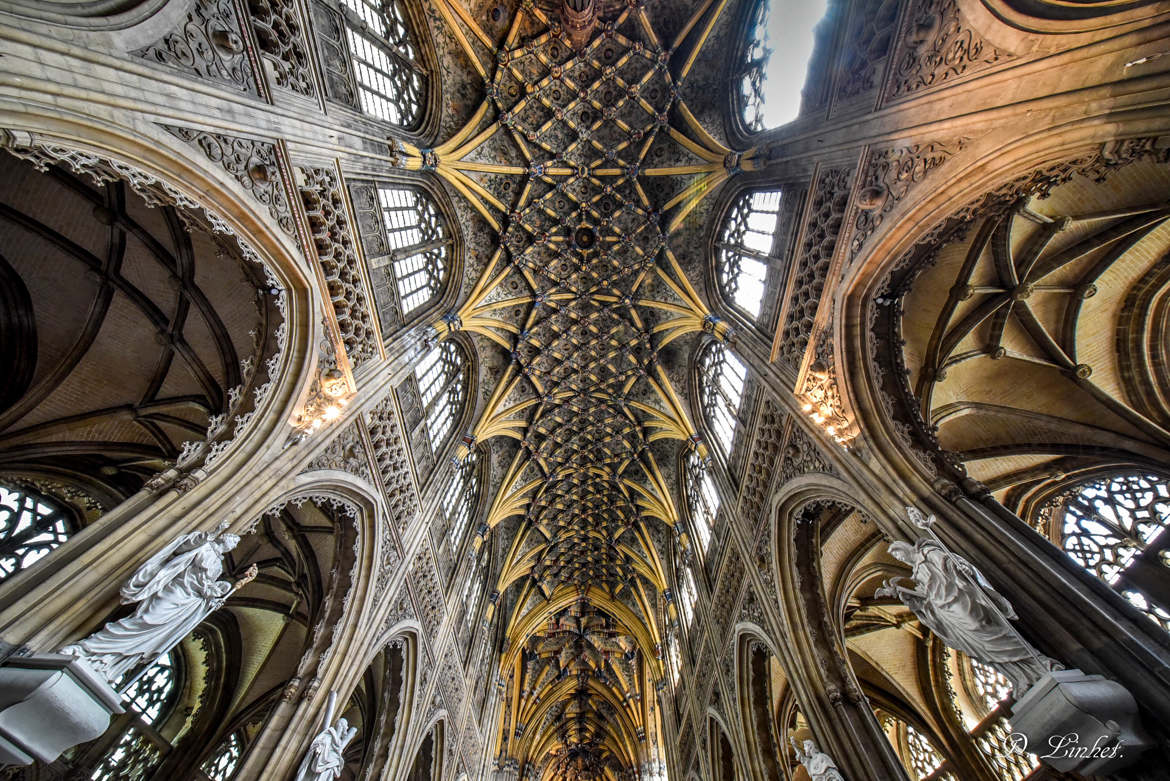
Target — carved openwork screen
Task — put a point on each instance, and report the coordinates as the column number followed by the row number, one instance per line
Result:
column 780, row 39
column 702, row 499
column 746, row 245
column 391, row 82
column 721, row 382
column 418, row 243
column 442, row 390
column 31, row 527
column 1115, row 527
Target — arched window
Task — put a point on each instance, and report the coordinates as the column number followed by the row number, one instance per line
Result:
column 687, row 594
column 149, row 700
column 776, row 59
column 442, row 390
column 1115, row 528
column 459, row 501
column 702, row 499
column 746, row 247
column 721, row 381
column 391, row 82
column 31, row 526
column 921, row 757
column 222, row 763
column 419, row 248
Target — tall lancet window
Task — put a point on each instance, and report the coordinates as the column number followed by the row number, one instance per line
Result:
column 687, row 594
column 746, row 246
column 418, row 243
column 1115, row 527
column 31, row 527
column 386, row 61
column 442, row 388
column 721, row 382
column 151, row 698
column 459, row 500
column 702, row 500
column 775, row 61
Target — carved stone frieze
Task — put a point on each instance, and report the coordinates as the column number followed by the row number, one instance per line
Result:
column 822, row 232
column 428, row 591
column 821, row 395
column 346, row 453
column 330, row 228
column 801, row 456
column 936, row 47
column 888, row 177
column 209, row 44
column 280, row 35
column 338, row 70
column 250, row 162
column 757, row 480
column 871, row 30
column 393, row 464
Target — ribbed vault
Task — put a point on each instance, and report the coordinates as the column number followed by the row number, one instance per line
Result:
column 583, row 157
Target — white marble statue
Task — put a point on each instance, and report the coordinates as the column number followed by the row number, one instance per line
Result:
column 175, row 590
column 952, row 599
column 324, row 760
column 819, row 765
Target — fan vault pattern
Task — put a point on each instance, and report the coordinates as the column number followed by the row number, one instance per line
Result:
column 584, row 158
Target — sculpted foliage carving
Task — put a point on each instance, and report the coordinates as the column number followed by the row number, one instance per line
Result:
column 937, row 48
column 428, row 591
column 346, row 453
column 251, row 163
column 888, row 178
column 209, row 44
column 278, row 30
column 821, row 234
column 801, row 456
column 325, row 210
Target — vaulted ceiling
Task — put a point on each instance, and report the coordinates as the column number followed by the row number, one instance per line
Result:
column 585, row 157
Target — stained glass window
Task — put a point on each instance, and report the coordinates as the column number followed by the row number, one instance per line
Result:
column 418, row 243
column 150, row 695
column 776, row 59
column 391, row 82
column 442, row 390
column 721, row 381
column 702, row 499
column 31, row 526
column 1115, row 528
column 746, row 246
column 222, row 764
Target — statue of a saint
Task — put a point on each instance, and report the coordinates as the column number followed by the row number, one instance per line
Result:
column 952, row 599
column 819, row 765
column 324, row 760
column 176, row 589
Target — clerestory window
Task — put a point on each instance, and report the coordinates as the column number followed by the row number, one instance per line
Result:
column 702, row 499
column 418, row 243
column 775, row 62
column 721, row 384
column 442, row 389
column 391, row 82
column 746, row 246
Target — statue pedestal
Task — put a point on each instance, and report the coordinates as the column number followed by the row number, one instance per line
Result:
column 1079, row 723
column 48, row 703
